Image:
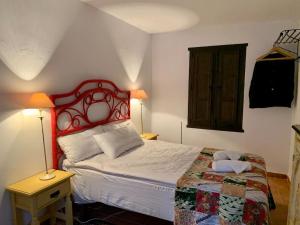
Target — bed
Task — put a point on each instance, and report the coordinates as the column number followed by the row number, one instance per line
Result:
column 156, row 178
column 133, row 181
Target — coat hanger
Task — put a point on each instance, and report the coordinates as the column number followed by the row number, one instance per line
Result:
column 277, row 53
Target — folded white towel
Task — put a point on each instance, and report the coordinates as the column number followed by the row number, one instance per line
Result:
column 227, row 166
column 223, row 155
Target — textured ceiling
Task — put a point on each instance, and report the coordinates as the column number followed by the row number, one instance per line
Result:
column 156, row 16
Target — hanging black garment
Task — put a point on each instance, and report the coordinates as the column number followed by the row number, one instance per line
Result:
column 272, row 84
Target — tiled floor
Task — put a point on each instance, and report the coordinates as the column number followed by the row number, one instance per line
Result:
column 280, row 190
column 118, row 216
column 279, row 187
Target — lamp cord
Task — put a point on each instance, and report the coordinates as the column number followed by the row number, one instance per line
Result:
column 181, row 132
column 41, row 118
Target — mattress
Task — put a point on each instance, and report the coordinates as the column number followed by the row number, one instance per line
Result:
column 127, row 193
column 142, row 180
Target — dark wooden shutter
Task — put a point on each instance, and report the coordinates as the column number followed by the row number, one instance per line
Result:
column 216, row 87
column 200, row 83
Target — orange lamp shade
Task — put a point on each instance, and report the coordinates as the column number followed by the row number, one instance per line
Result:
column 40, row 100
column 138, row 94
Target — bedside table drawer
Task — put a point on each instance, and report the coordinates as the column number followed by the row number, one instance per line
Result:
column 53, row 194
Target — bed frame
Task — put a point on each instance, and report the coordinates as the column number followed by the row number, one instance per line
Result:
column 73, row 109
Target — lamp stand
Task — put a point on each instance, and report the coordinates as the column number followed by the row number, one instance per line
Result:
column 142, row 125
column 48, row 175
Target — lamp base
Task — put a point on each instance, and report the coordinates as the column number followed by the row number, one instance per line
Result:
column 47, row 176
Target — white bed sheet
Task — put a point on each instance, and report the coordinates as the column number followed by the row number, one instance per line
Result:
column 127, row 193
column 142, row 180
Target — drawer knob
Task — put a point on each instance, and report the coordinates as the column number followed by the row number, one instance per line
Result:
column 55, row 194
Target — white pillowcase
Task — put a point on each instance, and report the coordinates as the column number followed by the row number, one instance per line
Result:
column 80, row 146
column 117, row 141
column 117, row 125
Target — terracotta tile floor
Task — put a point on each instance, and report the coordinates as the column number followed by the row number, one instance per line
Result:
column 280, row 189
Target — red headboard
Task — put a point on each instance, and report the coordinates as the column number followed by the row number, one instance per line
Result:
column 92, row 103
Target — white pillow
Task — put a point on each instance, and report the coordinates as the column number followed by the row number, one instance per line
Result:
column 115, row 142
column 80, row 146
column 117, row 125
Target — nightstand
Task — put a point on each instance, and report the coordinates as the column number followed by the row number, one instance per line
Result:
column 33, row 195
column 149, row 136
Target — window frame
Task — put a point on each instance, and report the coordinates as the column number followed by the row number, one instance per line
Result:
column 237, row 125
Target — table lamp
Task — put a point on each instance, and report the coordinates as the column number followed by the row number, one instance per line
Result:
column 41, row 101
column 140, row 95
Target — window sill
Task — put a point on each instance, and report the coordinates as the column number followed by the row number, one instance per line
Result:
column 239, row 130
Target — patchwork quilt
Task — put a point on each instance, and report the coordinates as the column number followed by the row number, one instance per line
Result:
column 205, row 197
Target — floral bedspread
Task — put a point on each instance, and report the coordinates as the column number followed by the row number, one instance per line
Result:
column 205, row 197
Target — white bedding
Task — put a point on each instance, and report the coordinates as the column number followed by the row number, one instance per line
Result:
column 127, row 193
column 159, row 161
column 142, row 180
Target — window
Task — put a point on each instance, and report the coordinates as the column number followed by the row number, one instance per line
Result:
column 216, row 87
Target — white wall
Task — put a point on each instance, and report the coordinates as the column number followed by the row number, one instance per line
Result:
column 93, row 47
column 267, row 131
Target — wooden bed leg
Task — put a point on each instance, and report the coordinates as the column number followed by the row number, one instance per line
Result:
column 69, row 211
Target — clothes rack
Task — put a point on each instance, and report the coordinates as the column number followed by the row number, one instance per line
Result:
column 287, row 38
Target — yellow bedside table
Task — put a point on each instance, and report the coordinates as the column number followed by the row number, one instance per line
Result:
column 149, row 136
column 33, row 194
